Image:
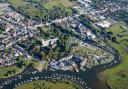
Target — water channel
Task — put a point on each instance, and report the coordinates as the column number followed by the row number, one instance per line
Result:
column 89, row 76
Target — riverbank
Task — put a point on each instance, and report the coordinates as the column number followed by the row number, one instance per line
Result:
column 89, row 76
column 102, row 79
column 117, row 77
column 10, row 71
column 48, row 84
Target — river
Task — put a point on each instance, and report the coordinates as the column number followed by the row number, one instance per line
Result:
column 93, row 77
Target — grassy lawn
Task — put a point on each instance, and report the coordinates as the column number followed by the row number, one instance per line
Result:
column 51, row 4
column 21, row 3
column 45, row 65
column 32, row 10
column 116, row 29
column 39, row 66
column 47, row 5
column 117, row 77
column 43, row 9
column 119, row 31
column 17, row 3
column 40, row 84
column 3, row 71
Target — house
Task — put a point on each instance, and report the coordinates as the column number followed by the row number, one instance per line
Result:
column 1, row 35
column 103, row 24
column 66, row 58
column 89, row 33
column 1, row 61
column 49, row 42
column 8, row 27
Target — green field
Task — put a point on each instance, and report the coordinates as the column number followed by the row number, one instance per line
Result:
column 4, row 71
column 40, row 84
column 9, row 71
column 119, row 31
column 51, row 4
column 17, row 3
column 43, row 10
column 116, row 29
column 117, row 77
column 24, row 6
column 48, row 4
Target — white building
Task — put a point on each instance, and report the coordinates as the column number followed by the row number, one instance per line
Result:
column 48, row 42
column 104, row 24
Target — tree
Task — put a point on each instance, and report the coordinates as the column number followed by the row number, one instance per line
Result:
column 114, row 39
column 20, row 64
column 66, row 48
column 14, row 71
column 43, row 54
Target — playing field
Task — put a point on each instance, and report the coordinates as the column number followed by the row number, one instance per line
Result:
column 65, row 3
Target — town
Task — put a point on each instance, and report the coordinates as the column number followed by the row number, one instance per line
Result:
column 17, row 31
column 75, row 42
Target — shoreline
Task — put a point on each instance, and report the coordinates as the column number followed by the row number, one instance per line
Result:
column 102, row 77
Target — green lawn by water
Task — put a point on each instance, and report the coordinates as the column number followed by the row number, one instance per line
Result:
column 3, row 71
column 41, row 84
